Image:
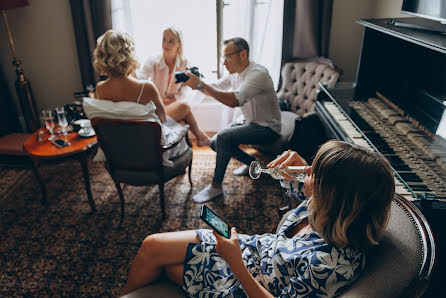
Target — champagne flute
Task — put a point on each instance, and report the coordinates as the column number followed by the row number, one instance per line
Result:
column 62, row 119
column 298, row 172
column 49, row 122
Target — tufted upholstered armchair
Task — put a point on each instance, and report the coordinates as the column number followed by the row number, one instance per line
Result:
column 298, row 87
column 299, row 83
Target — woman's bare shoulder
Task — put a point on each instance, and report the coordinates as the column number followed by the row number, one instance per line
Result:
column 148, row 85
column 99, row 88
column 100, row 84
column 149, row 91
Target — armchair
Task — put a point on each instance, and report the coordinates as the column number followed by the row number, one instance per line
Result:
column 12, row 153
column 400, row 266
column 298, row 90
column 133, row 154
column 299, row 83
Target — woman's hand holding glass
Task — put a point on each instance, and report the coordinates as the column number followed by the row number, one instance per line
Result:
column 286, row 159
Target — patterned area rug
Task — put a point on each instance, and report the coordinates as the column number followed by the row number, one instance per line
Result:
column 63, row 249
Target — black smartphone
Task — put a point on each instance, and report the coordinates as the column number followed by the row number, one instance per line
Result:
column 215, row 222
column 60, row 143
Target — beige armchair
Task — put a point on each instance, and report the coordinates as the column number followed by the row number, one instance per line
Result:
column 400, row 266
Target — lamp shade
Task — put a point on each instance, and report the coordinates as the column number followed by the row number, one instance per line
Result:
column 9, row 4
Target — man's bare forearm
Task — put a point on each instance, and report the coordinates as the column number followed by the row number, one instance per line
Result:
column 225, row 97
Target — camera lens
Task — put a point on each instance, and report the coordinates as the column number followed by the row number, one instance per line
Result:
column 181, row 77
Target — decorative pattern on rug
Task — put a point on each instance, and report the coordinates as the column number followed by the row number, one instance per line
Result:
column 63, row 249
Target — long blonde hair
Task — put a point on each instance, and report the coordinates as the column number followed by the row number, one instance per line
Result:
column 352, row 192
column 114, row 54
column 177, row 32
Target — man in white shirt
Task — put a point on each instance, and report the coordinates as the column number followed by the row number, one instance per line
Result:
column 249, row 86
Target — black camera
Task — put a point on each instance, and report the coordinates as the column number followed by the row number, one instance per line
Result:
column 180, row 76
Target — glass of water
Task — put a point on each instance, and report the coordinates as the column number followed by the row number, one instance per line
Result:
column 49, row 122
column 62, row 119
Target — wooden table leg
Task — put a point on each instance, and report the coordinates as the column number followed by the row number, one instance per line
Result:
column 84, row 164
column 35, row 169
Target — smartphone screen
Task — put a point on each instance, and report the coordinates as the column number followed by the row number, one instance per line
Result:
column 215, row 222
column 60, row 143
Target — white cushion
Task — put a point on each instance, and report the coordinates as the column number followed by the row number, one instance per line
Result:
column 119, row 110
column 288, row 123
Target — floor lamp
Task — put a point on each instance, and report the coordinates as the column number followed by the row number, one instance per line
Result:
column 23, row 86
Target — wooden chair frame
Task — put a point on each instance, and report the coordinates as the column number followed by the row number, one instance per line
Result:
column 157, row 167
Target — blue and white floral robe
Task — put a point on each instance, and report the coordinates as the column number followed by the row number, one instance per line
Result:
column 301, row 266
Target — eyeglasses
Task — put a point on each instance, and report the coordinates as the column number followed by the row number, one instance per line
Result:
column 227, row 56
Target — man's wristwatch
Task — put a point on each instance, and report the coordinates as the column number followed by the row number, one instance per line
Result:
column 200, row 85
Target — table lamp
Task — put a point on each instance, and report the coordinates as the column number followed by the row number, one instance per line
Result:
column 23, row 86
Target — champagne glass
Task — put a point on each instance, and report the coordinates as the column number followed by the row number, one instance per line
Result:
column 298, row 172
column 49, row 123
column 62, row 119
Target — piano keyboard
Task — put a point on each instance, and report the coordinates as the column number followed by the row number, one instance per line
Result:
column 417, row 162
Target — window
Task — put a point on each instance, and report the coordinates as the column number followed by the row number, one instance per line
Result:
column 205, row 24
column 146, row 20
column 259, row 22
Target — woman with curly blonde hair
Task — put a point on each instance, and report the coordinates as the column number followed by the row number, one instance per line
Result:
column 319, row 250
column 125, row 97
column 114, row 57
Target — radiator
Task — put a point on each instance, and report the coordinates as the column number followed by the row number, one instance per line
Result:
column 212, row 116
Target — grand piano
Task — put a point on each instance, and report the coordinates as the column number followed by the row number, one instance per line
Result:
column 397, row 106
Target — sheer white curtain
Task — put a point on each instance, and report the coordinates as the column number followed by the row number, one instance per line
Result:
column 260, row 23
column 145, row 21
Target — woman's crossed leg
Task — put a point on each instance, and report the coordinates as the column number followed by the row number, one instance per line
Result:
column 158, row 252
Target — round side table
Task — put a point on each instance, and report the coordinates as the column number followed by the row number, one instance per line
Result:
column 45, row 151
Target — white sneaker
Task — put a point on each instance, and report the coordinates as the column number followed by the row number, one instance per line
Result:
column 207, row 194
column 242, row 171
